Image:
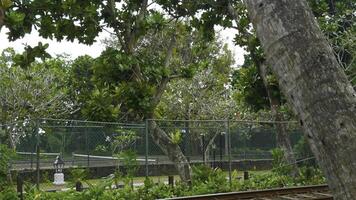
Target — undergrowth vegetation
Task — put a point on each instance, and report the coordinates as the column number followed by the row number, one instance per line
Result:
column 204, row 180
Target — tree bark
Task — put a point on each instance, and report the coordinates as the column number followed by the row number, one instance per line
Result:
column 160, row 137
column 172, row 150
column 282, row 136
column 314, row 84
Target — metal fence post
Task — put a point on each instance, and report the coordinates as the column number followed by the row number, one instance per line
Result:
column 203, row 149
column 62, row 148
column 146, row 146
column 229, row 151
column 37, row 154
column 19, row 184
column 87, row 147
column 31, row 156
column 221, row 165
column 171, row 181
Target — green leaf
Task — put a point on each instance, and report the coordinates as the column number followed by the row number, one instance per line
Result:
column 16, row 17
column 176, row 137
column 5, row 4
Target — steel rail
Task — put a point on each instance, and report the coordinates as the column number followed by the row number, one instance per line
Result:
column 271, row 194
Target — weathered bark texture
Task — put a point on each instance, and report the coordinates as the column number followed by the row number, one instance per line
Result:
column 173, row 151
column 314, row 84
column 160, row 137
column 282, row 136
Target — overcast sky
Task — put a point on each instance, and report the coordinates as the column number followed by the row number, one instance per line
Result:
column 74, row 49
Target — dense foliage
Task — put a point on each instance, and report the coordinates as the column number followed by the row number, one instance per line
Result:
column 205, row 181
column 163, row 63
column 34, row 89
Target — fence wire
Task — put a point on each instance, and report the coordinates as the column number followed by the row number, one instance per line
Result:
column 104, row 147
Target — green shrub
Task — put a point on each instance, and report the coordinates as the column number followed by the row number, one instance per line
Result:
column 265, row 181
column 207, row 180
column 151, row 191
column 280, row 166
column 310, row 176
column 204, row 180
column 8, row 194
column 78, row 174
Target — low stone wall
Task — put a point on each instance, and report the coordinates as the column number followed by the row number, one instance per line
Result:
column 154, row 169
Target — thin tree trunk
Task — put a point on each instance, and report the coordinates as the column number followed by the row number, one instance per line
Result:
column 208, row 148
column 282, row 136
column 314, row 84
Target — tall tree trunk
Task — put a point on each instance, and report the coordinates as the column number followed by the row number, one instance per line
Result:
column 282, row 136
column 172, row 150
column 160, row 137
column 313, row 83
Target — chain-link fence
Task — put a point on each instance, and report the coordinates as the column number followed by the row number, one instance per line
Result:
column 103, row 148
column 255, row 140
column 202, row 142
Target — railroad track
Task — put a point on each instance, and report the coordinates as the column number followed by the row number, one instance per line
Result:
column 316, row 192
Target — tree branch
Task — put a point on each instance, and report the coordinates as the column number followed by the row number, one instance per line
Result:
column 111, row 7
column 162, row 86
column 132, row 39
column 232, row 10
